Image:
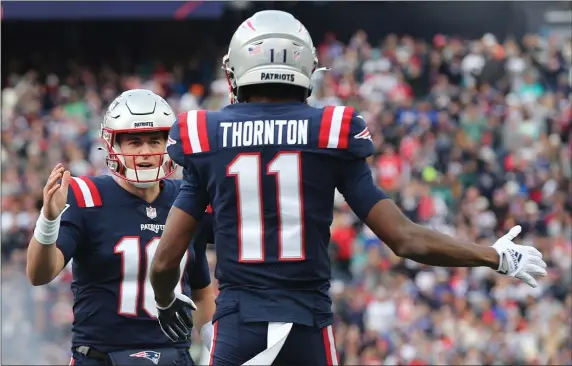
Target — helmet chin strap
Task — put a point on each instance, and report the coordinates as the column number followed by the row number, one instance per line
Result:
column 150, row 176
column 144, row 185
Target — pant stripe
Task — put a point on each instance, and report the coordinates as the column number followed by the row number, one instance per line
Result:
column 213, row 343
column 330, row 346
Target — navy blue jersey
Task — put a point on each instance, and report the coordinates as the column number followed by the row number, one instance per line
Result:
column 270, row 172
column 112, row 236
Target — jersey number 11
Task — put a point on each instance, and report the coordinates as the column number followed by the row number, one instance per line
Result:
column 247, row 170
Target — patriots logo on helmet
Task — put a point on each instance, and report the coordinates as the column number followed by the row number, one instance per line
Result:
column 149, row 355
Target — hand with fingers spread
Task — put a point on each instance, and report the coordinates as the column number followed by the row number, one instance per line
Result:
column 174, row 319
column 520, row 261
column 56, row 193
column 55, row 203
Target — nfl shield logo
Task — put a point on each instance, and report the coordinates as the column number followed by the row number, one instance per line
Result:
column 296, row 55
column 151, row 212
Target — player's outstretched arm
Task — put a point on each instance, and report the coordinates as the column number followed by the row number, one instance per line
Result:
column 409, row 240
column 416, row 242
column 44, row 259
column 405, row 238
column 427, row 246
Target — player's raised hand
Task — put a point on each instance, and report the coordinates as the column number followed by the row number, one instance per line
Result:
column 55, row 192
column 174, row 319
column 520, row 261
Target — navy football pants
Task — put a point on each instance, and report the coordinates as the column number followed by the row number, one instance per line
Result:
column 183, row 359
column 236, row 342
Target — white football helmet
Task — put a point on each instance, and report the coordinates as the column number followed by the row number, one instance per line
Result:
column 136, row 111
column 270, row 47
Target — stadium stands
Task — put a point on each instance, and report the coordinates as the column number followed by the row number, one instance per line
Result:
column 472, row 136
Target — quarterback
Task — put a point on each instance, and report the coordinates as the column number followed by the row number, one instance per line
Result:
column 110, row 226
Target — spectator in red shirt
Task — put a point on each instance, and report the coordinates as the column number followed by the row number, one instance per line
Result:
column 389, row 169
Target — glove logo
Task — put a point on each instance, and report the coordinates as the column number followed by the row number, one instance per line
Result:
column 516, row 257
column 514, row 263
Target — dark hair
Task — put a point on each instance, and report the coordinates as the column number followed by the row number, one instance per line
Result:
column 277, row 91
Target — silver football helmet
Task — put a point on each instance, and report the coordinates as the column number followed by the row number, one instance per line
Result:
column 136, row 111
column 270, row 47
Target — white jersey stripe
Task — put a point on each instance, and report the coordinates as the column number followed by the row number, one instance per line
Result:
column 193, row 131
column 86, row 193
column 336, row 126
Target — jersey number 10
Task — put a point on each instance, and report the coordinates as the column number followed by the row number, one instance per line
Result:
column 247, row 170
column 131, row 291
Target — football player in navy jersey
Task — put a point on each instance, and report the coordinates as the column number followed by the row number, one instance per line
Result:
column 110, row 225
column 269, row 164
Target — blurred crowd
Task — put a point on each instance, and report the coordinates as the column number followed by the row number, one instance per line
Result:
column 472, row 137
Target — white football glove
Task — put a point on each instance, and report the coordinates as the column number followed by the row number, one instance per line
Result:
column 520, row 261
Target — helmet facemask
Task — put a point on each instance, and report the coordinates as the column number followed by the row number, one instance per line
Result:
column 230, row 79
column 138, row 176
column 138, row 111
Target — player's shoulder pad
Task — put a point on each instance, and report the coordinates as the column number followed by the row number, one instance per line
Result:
column 189, row 135
column 342, row 128
column 85, row 191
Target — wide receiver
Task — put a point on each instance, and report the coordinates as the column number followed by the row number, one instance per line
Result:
column 269, row 164
column 111, row 227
